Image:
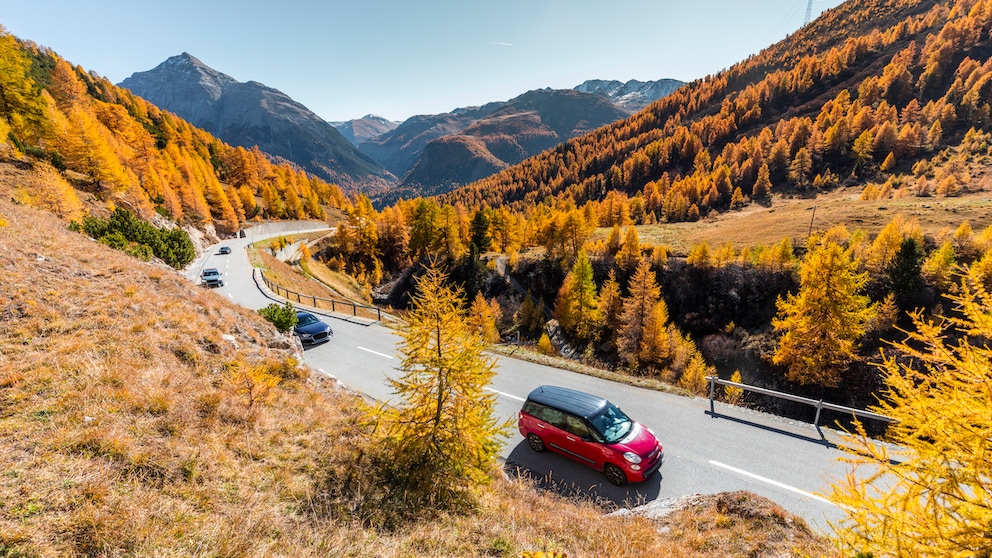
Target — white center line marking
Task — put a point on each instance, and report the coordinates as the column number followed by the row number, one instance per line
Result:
column 521, row 399
column 772, row 482
column 377, row 353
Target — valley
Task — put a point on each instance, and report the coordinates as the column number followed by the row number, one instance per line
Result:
column 813, row 219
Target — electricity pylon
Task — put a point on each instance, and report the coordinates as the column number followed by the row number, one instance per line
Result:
column 809, row 12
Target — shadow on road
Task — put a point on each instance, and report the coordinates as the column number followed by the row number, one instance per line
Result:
column 821, row 439
column 558, row 474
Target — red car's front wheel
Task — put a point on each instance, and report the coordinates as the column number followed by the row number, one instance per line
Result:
column 615, row 474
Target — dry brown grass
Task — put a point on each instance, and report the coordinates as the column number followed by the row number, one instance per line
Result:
column 121, row 434
column 343, row 283
column 790, row 218
column 299, row 287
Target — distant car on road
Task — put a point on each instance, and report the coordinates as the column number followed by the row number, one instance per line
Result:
column 224, row 250
column 590, row 430
column 212, row 278
column 311, row 330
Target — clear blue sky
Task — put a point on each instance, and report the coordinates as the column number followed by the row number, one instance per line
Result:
column 398, row 58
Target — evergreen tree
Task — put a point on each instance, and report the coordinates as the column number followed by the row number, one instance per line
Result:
column 479, row 231
column 904, row 274
column 824, row 322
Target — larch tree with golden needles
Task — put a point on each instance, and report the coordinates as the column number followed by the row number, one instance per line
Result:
column 822, row 325
column 932, row 497
column 577, row 308
column 443, row 434
column 641, row 317
column 611, row 307
column 482, row 316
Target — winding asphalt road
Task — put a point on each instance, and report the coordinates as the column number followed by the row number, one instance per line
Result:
column 736, row 449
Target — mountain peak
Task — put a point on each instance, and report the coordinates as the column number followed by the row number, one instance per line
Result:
column 251, row 113
column 632, row 95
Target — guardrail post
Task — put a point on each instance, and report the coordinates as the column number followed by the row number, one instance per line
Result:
column 712, row 393
column 819, row 407
column 354, row 309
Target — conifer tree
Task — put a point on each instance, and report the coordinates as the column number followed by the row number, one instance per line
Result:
column 630, row 251
column 700, row 255
column 904, row 275
column 824, row 322
column 763, row 185
column 933, row 496
column 637, row 315
column 482, row 318
column 442, row 435
column 938, row 265
column 19, row 102
column 801, row 167
column 613, row 240
column 611, row 306
column 577, row 308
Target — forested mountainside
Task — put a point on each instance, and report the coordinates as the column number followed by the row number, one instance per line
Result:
column 489, row 142
column 873, row 90
column 875, row 101
column 101, row 140
column 251, row 114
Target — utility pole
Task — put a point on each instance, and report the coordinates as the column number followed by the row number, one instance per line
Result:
column 809, row 12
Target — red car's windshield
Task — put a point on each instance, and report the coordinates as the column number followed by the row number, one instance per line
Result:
column 612, row 424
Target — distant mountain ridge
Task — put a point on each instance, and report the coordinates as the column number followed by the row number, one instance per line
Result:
column 387, row 159
column 496, row 136
column 249, row 114
column 632, row 95
column 365, row 128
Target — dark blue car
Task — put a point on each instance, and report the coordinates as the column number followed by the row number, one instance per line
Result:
column 311, row 330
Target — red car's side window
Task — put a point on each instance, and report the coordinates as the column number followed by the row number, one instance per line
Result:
column 552, row 416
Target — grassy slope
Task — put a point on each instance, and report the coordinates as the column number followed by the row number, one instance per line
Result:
column 790, row 218
column 121, row 433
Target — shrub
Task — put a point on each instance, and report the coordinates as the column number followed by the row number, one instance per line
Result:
column 544, row 345
column 123, row 229
column 282, row 316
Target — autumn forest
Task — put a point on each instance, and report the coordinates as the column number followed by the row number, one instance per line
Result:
column 889, row 98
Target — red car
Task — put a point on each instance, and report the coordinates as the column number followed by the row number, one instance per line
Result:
column 590, row 430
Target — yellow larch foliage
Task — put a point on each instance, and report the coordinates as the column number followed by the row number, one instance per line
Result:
column 930, row 494
column 823, row 323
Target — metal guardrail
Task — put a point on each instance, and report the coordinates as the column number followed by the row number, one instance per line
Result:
column 324, row 303
column 819, row 404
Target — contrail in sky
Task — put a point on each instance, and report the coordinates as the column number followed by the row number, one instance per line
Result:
column 500, row 44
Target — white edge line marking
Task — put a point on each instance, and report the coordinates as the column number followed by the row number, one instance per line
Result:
column 377, row 353
column 514, row 397
column 773, row 482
